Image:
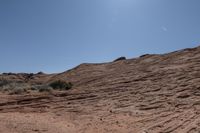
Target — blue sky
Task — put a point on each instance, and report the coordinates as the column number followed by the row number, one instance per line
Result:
column 56, row 35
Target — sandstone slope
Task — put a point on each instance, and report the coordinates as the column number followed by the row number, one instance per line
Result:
column 149, row 94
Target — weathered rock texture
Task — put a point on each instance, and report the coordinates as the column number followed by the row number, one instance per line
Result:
column 149, row 94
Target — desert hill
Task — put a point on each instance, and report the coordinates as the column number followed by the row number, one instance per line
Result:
column 148, row 94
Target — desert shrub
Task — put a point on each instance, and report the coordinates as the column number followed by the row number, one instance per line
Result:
column 17, row 91
column 120, row 58
column 4, row 82
column 40, row 73
column 15, row 87
column 42, row 88
column 61, row 85
column 144, row 55
column 19, row 87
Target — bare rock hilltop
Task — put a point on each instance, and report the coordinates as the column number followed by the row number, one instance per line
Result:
column 148, row 94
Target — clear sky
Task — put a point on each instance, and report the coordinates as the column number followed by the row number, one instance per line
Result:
column 56, row 35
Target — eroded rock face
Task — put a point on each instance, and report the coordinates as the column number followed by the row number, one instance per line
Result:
column 151, row 94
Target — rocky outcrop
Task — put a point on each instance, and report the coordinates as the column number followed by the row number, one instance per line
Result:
column 149, row 94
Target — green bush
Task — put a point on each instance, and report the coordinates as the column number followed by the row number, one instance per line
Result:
column 14, row 87
column 41, row 88
column 61, row 85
